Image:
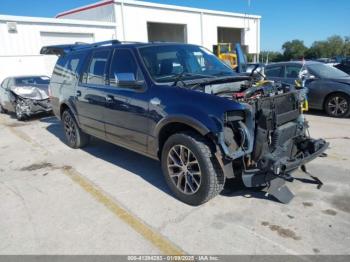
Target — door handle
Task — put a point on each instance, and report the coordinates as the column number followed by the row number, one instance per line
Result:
column 78, row 93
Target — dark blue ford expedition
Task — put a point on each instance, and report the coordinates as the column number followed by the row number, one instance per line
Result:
column 180, row 104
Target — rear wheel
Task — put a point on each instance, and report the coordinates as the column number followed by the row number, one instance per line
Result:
column 76, row 138
column 191, row 169
column 337, row 105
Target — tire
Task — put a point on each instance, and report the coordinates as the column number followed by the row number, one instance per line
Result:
column 75, row 137
column 194, row 183
column 20, row 115
column 338, row 105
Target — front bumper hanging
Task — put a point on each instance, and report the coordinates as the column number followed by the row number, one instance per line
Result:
column 277, row 171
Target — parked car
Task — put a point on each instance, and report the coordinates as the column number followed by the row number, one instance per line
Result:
column 344, row 65
column 328, row 87
column 177, row 103
column 25, row 96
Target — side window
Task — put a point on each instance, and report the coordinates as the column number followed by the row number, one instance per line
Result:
column 58, row 72
column 96, row 71
column 292, row 71
column 4, row 83
column 11, row 82
column 124, row 67
column 274, row 71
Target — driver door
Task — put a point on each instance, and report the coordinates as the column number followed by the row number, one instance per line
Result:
column 126, row 109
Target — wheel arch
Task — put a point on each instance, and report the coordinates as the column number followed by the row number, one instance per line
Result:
column 178, row 124
column 64, row 106
column 333, row 93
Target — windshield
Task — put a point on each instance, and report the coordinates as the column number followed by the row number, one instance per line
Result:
column 165, row 63
column 326, row 71
column 32, row 80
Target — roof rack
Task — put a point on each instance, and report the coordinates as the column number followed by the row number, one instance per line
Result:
column 108, row 42
column 61, row 49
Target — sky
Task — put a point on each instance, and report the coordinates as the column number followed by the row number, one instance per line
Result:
column 282, row 20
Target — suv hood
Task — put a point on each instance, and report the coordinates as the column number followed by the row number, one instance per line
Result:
column 34, row 92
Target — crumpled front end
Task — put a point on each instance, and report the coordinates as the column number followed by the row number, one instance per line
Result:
column 275, row 144
column 30, row 100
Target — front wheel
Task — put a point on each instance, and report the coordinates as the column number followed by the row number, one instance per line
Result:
column 20, row 114
column 338, row 105
column 76, row 138
column 191, row 169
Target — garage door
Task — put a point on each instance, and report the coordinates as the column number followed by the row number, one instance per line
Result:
column 167, row 32
column 53, row 38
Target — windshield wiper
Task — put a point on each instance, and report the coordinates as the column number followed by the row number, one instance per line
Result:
column 184, row 74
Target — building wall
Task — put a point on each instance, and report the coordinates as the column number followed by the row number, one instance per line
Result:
column 131, row 19
column 103, row 12
column 19, row 51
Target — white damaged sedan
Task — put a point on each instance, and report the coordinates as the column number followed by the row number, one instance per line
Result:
column 25, row 96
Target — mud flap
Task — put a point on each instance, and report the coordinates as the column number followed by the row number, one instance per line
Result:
column 278, row 189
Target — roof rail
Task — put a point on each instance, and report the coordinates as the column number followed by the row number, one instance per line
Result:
column 108, row 42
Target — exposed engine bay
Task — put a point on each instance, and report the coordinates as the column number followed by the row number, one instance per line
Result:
column 270, row 140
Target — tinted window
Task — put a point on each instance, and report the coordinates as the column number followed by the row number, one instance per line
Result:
column 275, row 71
column 35, row 80
column 292, row 71
column 97, row 68
column 124, row 67
column 67, row 67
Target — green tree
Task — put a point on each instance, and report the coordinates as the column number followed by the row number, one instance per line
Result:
column 294, row 49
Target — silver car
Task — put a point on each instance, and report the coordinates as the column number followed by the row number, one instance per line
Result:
column 25, row 96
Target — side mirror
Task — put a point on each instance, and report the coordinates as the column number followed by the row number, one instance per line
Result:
column 127, row 80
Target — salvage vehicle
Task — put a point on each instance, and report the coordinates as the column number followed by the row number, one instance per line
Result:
column 205, row 123
column 328, row 87
column 25, row 95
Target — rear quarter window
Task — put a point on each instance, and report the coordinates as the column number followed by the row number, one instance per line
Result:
column 68, row 67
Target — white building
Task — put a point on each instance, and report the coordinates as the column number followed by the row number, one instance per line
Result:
column 22, row 37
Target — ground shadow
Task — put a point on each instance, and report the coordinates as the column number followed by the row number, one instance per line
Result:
column 148, row 169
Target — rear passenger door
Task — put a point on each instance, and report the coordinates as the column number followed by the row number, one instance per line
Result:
column 3, row 93
column 8, row 97
column 126, row 111
column 90, row 95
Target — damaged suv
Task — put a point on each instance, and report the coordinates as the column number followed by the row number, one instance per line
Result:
column 180, row 104
column 25, row 95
